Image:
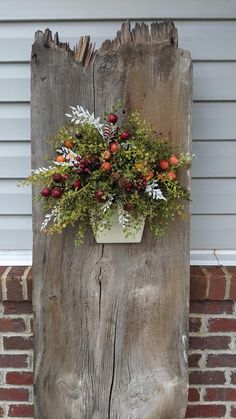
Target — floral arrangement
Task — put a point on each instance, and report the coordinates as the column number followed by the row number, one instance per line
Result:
column 102, row 167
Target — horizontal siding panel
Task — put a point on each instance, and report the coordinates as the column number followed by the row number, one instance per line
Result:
column 213, row 232
column 214, row 121
column 207, row 232
column 213, row 196
column 15, row 232
column 60, row 9
column 211, row 40
column 209, row 196
column 211, row 81
column 15, row 160
column 214, row 81
column 14, row 83
column 214, row 159
column 14, row 199
column 14, row 122
column 211, row 121
column 208, row 40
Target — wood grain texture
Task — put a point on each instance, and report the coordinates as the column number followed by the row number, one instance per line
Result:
column 111, row 320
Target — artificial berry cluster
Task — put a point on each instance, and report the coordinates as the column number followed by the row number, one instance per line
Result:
column 81, row 168
column 100, row 168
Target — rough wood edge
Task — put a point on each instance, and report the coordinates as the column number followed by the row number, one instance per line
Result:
column 162, row 33
column 83, row 51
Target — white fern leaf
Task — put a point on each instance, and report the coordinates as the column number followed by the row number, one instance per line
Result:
column 107, row 204
column 79, row 115
column 123, row 217
column 153, row 190
column 41, row 170
column 64, row 163
column 53, row 216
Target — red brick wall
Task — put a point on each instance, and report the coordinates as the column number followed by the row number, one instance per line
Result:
column 212, row 350
column 16, row 355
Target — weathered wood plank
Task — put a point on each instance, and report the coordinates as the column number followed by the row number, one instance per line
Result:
column 111, row 320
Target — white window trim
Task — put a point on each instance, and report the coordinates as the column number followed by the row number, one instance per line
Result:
column 197, row 257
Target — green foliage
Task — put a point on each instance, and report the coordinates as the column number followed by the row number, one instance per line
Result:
column 131, row 179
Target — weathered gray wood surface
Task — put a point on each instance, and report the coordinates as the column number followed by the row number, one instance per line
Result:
column 111, row 320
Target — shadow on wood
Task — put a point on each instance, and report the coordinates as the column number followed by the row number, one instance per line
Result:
column 111, row 321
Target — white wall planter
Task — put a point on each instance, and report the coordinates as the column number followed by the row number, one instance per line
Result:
column 116, row 234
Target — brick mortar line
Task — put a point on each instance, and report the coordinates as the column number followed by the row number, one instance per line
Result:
column 14, row 369
column 211, row 334
column 24, row 283
column 211, row 351
column 17, row 386
column 207, row 403
column 199, row 386
column 211, row 369
column 193, row 315
column 228, row 278
column 24, row 334
column 22, row 351
column 3, row 282
column 207, row 276
column 18, row 315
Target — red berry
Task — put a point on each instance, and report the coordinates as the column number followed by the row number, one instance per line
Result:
column 78, row 158
column 57, row 178
column 112, row 118
column 106, row 166
column 171, row 175
column 124, row 135
column 113, row 147
column 46, row 192
column 173, row 160
column 128, row 206
column 100, row 195
column 56, row 192
column 82, row 166
column 87, row 170
column 164, row 164
column 65, row 177
column 76, row 184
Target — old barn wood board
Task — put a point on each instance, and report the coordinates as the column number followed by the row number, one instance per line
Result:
column 111, row 320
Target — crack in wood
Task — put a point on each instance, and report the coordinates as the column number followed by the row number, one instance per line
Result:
column 113, row 363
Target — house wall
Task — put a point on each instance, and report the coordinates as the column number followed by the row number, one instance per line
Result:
column 207, row 29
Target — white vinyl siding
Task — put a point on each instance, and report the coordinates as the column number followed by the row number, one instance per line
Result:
column 122, row 9
column 207, row 29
